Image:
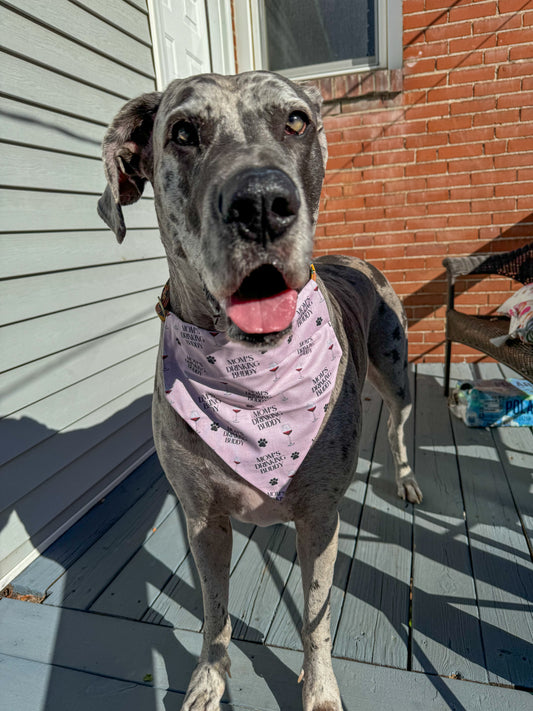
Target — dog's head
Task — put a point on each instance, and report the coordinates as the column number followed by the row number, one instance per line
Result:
column 237, row 165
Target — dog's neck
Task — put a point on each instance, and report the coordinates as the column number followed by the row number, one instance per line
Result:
column 188, row 297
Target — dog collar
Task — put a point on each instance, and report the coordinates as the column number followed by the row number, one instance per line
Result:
column 259, row 411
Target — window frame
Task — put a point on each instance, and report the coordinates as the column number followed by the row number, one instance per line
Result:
column 251, row 45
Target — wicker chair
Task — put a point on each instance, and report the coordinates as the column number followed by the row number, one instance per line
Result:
column 476, row 331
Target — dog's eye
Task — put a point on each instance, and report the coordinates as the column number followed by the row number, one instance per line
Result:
column 296, row 123
column 185, row 134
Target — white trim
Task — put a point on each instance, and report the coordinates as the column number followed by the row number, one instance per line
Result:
column 36, row 552
column 394, row 59
column 220, row 36
column 249, row 28
column 156, row 49
column 244, row 36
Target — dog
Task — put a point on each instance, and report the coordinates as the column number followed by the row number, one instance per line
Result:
column 237, row 165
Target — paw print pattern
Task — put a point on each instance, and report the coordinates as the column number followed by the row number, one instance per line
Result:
column 319, row 321
column 295, row 455
column 215, row 426
column 262, row 442
column 211, row 359
column 273, row 482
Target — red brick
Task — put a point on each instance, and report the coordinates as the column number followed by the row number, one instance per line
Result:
column 496, row 55
column 406, row 184
column 386, row 173
column 451, row 93
column 474, row 192
column 510, row 6
column 521, row 52
column 515, row 69
column 472, row 135
column 472, row 75
column 518, row 99
column 425, row 81
column 490, row 25
column 470, row 11
column 448, row 31
column 514, row 37
column 497, row 87
column 515, row 160
column 515, row 130
column 494, row 118
column 425, row 169
column 473, row 106
column 334, row 243
column 410, row 6
column 526, row 174
column 423, row 20
column 462, row 45
column 461, row 151
column 514, row 189
column 457, row 123
column 493, row 205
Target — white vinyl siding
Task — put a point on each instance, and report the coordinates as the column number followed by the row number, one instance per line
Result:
column 78, row 330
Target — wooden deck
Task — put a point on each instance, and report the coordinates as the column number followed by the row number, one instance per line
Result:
column 425, row 599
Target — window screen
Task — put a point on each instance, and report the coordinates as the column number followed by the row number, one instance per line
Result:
column 311, row 32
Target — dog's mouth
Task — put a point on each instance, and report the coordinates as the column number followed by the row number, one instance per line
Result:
column 263, row 303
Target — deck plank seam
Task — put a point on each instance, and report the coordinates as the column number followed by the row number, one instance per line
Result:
column 336, row 632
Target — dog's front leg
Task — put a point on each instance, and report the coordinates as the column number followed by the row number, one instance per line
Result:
column 317, row 550
column 211, row 546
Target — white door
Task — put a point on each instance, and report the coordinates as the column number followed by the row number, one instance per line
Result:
column 181, row 39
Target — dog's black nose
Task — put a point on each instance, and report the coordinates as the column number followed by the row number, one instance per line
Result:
column 261, row 202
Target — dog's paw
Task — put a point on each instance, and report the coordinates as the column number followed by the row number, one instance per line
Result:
column 409, row 490
column 205, row 689
column 320, row 692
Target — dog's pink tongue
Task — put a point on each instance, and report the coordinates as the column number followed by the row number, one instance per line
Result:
column 269, row 315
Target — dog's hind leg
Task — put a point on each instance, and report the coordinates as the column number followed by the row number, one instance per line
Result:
column 211, row 547
column 387, row 371
column 317, row 538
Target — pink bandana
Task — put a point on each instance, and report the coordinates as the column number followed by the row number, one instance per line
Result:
column 260, row 412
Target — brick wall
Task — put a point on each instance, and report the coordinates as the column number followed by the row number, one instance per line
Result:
column 435, row 159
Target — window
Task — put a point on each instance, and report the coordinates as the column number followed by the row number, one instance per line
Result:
column 314, row 38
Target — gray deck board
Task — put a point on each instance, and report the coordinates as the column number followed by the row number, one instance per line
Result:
column 286, row 625
column 258, row 580
column 500, row 557
column 374, row 625
column 179, row 603
column 98, row 566
column 420, row 594
column 49, row 657
column 61, row 555
column 446, row 628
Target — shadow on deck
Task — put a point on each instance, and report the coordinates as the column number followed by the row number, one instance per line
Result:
column 424, row 598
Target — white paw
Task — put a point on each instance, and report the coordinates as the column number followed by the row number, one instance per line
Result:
column 320, row 692
column 409, row 489
column 205, row 689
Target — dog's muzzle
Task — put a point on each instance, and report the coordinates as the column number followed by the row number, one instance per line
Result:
column 260, row 204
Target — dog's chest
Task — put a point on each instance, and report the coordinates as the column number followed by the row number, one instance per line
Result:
column 250, row 505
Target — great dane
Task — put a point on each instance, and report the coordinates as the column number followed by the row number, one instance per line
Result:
column 237, row 164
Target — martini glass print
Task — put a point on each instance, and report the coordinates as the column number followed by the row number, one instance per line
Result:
column 287, row 430
column 274, row 369
column 311, row 407
column 236, row 410
column 195, row 416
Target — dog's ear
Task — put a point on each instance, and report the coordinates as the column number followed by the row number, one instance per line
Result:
column 128, row 159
